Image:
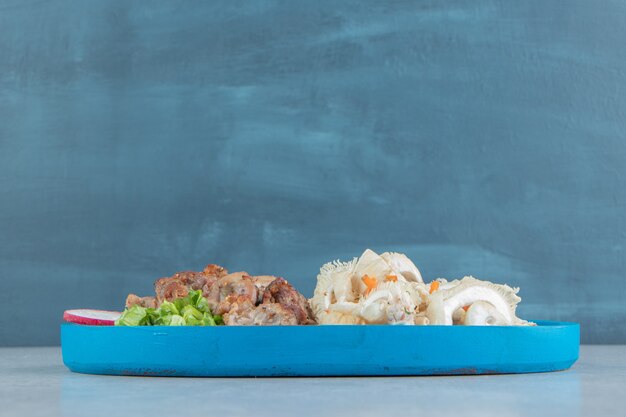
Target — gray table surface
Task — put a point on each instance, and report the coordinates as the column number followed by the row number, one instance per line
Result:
column 33, row 381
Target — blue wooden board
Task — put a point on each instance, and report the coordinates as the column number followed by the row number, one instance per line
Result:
column 319, row 350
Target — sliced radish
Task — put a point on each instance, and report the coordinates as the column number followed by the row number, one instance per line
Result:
column 92, row 317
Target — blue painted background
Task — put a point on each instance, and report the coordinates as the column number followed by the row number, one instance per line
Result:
column 142, row 138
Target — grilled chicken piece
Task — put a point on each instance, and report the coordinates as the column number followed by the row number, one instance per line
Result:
column 179, row 284
column 280, row 291
column 240, row 313
column 274, row 315
column 133, row 300
column 230, row 289
column 170, row 288
column 261, row 282
column 244, row 313
column 215, row 271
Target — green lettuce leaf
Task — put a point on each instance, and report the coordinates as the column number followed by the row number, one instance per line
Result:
column 191, row 310
column 134, row 316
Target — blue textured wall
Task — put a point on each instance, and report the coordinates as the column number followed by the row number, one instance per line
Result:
column 142, row 138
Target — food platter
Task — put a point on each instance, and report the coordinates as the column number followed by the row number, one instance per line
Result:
column 373, row 315
column 319, row 350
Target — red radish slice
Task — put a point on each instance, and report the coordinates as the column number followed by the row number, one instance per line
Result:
column 92, row 317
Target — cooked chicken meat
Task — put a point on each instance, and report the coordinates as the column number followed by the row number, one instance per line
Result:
column 170, row 288
column 240, row 298
column 230, row 288
column 261, row 282
column 214, row 270
column 280, row 303
column 244, row 313
column 179, row 284
column 133, row 300
column 280, row 291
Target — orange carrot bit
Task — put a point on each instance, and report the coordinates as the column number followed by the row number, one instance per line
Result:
column 434, row 286
column 391, row 278
column 465, row 308
column 370, row 283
